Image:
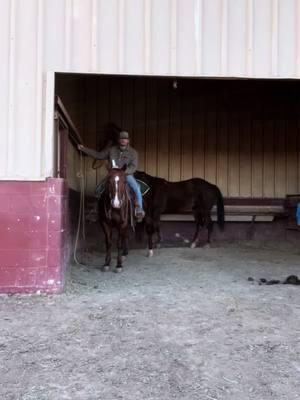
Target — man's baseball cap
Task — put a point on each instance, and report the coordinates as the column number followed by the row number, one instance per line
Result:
column 123, row 135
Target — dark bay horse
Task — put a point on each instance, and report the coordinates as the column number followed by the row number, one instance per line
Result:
column 114, row 212
column 196, row 195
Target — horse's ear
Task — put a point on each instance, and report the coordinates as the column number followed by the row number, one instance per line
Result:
column 124, row 167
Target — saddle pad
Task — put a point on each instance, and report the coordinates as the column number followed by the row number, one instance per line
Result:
column 101, row 187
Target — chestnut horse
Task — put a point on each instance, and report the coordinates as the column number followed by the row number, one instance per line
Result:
column 114, row 212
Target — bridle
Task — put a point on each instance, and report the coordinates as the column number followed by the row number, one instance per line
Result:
column 117, row 201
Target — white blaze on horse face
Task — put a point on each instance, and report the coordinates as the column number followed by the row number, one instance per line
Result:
column 116, row 202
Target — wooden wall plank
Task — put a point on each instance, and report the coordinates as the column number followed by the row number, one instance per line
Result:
column 128, row 109
column 292, row 158
column 89, row 129
column 245, row 153
column 187, row 136
column 151, row 127
column 298, row 151
column 139, row 118
column 102, row 118
column 198, row 136
column 280, row 153
column 268, row 157
column 175, row 136
column 257, row 151
column 210, row 138
column 116, row 101
column 163, row 127
column 222, row 145
column 233, row 156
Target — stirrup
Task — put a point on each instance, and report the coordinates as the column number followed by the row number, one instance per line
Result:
column 139, row 214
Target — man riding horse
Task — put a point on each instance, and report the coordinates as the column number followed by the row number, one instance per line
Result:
column 119, row 156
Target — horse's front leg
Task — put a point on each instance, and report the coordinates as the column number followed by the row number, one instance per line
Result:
column 121, row 239
column 108, row 242
column 125, row 246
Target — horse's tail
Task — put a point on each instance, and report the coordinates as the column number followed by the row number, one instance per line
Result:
column 220, row 209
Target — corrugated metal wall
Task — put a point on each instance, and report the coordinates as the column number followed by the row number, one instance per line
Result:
column 223, row 38
column 242, row 135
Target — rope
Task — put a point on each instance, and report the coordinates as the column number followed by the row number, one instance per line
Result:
column 81, row 216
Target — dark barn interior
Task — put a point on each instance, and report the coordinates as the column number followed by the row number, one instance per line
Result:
column 242, row 135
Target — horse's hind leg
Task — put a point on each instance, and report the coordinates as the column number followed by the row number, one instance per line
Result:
column 196, row 235
column 199, row 224
column 156, row 231
column 209, row 226
column 150, row 232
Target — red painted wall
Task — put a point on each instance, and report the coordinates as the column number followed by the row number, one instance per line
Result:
column 34, row 236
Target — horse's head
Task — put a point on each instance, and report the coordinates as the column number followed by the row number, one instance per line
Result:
column 116, row 186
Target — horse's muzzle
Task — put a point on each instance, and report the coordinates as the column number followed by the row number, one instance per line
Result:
column 117, row 204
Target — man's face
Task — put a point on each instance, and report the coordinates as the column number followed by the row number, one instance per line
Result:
column 123, row 142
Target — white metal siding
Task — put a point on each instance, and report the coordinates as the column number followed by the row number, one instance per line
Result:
column 217, row 38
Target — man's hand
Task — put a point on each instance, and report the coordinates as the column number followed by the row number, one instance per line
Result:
column 80, row 147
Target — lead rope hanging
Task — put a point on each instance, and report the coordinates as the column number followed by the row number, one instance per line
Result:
column 81, row 216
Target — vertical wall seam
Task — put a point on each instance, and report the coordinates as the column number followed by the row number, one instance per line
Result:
column 158, row 104
column 249, row 38
column 274, row 39
column 147, row 36
column 48, row 147
column 198, row 24
column 11, row 89
column 121, row 35
column 39, row 87
column 94, row 42
column 224, row 37
column 68, row 33
column 173, row 37
column 297, row 17
column 298, row 156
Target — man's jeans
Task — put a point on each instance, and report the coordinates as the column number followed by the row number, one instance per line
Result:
column 136, row 188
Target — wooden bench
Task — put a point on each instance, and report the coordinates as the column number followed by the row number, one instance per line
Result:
column 240, row 210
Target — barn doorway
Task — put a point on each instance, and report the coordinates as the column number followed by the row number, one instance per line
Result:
column 242, row 135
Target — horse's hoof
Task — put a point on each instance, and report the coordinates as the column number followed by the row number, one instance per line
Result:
column 206, row 246
column 193, row 245
column 105, row 268
column 118, row 269
column 150, row 253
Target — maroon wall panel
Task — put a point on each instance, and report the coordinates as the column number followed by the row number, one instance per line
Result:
column 34, row 236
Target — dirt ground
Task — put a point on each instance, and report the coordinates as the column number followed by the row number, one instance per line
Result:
column 185, row 324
